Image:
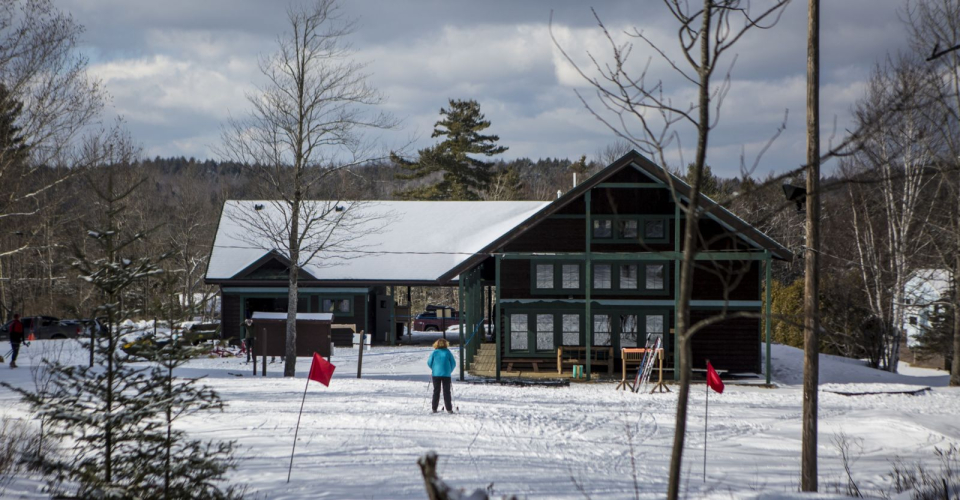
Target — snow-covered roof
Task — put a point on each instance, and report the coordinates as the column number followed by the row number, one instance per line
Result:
column 300, row 316
column 928, row 284
column 403, row 240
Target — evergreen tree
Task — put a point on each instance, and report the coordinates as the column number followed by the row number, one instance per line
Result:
column 937, row 339
column 463, row 177
column 13, row 147
column 118, row 415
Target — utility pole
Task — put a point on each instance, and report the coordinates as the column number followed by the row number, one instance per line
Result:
column 811, row 279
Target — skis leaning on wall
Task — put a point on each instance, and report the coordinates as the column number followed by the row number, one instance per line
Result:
column 649, row 360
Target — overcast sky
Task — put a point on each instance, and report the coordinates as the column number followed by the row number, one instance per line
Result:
column 177, row 69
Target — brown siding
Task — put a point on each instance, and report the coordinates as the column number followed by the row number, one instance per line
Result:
column 609, row 201
column 732, row 345
column 741, row 278
column 230, row 316
column 552, row 235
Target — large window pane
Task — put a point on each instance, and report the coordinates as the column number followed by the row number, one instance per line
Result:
column 654, row 325
column 343, row 305
column 654, row 279
column 518, row 332
column 601, row 329
column 602, row 276
column 545, row 332
column 544, row 275
column 571, row 276
column 628, row 276
column 628, row 229
column 628, row 330
column 327, row 306
column 603, row 229
column 654, row 229
column 571, row 329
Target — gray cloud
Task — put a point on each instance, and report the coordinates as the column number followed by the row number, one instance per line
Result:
column 179, row 68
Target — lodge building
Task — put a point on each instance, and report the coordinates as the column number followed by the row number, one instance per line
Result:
column 595, row 270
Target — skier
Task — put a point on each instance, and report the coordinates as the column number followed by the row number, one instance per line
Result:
column 442, row 363
column 247, row 326
column 16, row 338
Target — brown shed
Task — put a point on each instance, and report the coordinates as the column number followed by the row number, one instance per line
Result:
column 313, row 333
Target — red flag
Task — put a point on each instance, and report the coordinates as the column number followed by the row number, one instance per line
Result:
column 321, row 370
column 713, row 379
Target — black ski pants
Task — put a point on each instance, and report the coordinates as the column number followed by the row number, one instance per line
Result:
column 444, row 382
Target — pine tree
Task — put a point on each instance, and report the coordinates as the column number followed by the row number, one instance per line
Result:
column 118, row 415
column 937, row 338
column 463, row 177
column 13, row 147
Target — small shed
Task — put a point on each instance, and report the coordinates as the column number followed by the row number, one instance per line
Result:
column 313, row 333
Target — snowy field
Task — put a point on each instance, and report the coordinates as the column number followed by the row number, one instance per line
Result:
column 360, row 439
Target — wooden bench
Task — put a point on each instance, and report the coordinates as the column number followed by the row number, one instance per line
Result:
column 634, row 356
column 599, row 355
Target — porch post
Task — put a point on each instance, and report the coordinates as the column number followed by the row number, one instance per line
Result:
column 392, row 332
column 676, row 287
column 462, row 319
column 588, row 283
column 767, row 311
column 497, row 321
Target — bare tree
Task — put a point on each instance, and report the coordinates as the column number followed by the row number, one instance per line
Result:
column 706, row 33
column 891, row 193
column 46, row 98
column 307, row 123
column 932, row 24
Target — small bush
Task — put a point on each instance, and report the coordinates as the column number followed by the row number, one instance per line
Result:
column 20, row 445
column 941, row 483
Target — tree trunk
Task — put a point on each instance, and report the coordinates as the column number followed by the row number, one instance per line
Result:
column 290, row 351
column 955, row 365
column 689, row 252
column 811, row 280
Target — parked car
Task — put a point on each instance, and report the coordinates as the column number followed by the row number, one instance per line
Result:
column 44, row 327
column 436, row 319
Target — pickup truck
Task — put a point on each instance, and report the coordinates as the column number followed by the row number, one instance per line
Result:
column 43, row 327
column 436, row 319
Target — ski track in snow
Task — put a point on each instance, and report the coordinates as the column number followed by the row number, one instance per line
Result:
column 361, row 438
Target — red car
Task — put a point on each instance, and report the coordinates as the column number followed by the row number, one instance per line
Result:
column 436, row 319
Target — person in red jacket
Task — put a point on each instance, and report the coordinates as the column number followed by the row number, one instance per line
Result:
column 16, row 338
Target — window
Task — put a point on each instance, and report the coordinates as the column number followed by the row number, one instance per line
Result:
column 654, row 277
column 603, row 229
column 335, row 306
column 571, row 329
column 544, row 276
column 545, row 332
column 628, row 276
column 602, row 276
column 628, row 229
column 571, row 276
column 518, row 332
column 654, row 328
column 913, row 320
column 628, row 330
column 654, row 230
column 601, row 329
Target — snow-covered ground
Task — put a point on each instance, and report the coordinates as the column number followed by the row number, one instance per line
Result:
column 361, row 438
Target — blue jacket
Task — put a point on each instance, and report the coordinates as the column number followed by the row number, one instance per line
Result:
column 442, row 362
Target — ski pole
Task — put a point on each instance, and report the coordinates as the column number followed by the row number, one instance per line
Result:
column 424, row 405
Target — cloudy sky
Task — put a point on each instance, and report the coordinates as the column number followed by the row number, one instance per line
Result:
column 177, row 69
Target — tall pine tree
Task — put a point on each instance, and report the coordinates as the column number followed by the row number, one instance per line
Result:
column 462, row 176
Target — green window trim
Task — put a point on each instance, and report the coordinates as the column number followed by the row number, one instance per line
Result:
column 335, row 302
column 619, row 224
column 616, row 281
column 642, row 324
column 558, row 278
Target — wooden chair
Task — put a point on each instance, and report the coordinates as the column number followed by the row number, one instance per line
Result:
column 630, row 355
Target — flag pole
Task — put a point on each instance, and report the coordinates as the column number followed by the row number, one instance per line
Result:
column 706, row 414
column 290, row 470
